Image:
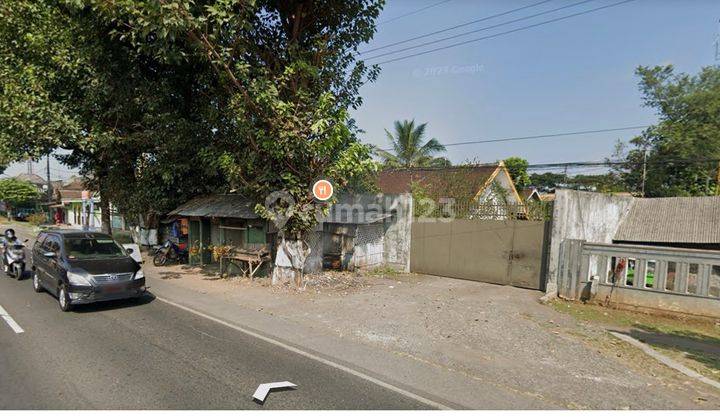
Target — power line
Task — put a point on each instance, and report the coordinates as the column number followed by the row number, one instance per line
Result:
column 497, row 25
column 504, row 33
column 413, row 12
column 539, row 136
column 454, row 27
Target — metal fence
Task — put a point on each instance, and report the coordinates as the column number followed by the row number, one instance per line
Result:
column 668, row 279
column 474, row 210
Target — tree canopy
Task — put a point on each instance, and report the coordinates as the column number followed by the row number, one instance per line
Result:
column 14, row 191
column 680, row 155
column 518, row 169
column 135, row 126
column 286, row 75
column 409, row 148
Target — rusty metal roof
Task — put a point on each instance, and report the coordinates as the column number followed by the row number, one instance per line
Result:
column 694, row 220
column 439, row 182
column 218, row 205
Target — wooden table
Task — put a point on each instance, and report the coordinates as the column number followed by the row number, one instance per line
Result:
column 248, row 261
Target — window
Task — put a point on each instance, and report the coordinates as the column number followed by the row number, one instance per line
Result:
column 89, row 247
column 39, row 242
column 650, row 273
column 692, row 281
column 714, row 289
column 671, row 273
column 630, row 275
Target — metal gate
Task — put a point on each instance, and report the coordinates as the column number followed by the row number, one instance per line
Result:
column 511, row 252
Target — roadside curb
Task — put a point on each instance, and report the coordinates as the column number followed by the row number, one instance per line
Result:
column 665, row 360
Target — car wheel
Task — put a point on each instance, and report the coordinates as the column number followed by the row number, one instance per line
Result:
column 160, row 259
column 64, row 299
column 37, row 287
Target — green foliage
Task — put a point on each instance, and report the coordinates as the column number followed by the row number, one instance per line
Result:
column 681, row 152
column 285, row 74
column 16, row 192
column 423, row 203
column 139, row 128
column 410, row 150
column 518, row 168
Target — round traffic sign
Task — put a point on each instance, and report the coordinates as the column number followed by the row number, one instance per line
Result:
column 323, row 190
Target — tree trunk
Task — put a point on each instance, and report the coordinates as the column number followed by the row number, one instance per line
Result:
column 290, row 261
column 105, row 219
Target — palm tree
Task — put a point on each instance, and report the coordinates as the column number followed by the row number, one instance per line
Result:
column 409, row 150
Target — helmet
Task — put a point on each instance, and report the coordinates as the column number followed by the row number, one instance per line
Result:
column 9, row 233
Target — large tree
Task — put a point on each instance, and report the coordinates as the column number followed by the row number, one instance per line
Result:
column 409, row 148
column 680, row 155
column 137, row 127
column 288, row 75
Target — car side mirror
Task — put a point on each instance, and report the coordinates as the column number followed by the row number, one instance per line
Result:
column 50, row 254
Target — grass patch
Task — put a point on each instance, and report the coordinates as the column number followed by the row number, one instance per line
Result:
column 694, row 342
column 383, row 271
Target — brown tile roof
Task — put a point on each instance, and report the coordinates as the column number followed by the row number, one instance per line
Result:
column 456, row 182
column 692, row 220
column 32, row 178
column 70, row 195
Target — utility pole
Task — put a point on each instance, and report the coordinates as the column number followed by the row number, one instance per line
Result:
column 644, row 172
column 49, row 184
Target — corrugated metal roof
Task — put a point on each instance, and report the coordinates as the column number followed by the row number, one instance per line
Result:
column 693, row 220
column 218, row 205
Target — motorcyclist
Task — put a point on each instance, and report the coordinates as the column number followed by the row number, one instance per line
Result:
column 6, row 240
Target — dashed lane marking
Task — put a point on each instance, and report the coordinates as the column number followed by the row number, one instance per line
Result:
column 10, row 321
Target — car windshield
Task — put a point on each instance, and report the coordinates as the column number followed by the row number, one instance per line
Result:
column 90, row 247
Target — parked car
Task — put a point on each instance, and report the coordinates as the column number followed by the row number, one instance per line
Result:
column 83, row 267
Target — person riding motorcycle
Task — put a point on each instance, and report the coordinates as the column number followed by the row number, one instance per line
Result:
column 6, row 240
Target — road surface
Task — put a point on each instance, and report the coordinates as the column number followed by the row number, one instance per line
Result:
column 152, row 355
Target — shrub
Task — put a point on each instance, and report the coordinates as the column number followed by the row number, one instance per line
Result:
column 37, row 219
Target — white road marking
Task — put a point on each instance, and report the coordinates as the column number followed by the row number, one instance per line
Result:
column 262, row 391
column 10, row 321
column 312, row 356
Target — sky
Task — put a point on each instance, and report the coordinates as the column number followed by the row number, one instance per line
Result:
column 572, row 75
column 567, row 76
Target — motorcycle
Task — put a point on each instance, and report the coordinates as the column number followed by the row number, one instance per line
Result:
column 13, row 259
column 170, row 251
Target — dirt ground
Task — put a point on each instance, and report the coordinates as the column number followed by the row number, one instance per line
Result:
column 490, row 333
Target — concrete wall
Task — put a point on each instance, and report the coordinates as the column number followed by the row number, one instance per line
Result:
column 385, row 242
column 592, row 217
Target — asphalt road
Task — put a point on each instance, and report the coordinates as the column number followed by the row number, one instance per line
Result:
column 152, row 355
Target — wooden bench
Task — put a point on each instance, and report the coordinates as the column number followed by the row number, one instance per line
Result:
column 248, row 261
